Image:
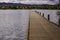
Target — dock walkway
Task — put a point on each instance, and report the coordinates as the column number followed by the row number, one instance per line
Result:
column 41, row 29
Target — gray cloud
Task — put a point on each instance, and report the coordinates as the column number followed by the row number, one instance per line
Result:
column 4, row 0
column 32, row 1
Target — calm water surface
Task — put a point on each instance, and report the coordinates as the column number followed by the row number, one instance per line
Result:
column 13, row 24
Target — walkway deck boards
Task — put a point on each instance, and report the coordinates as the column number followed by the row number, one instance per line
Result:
column 41, row 29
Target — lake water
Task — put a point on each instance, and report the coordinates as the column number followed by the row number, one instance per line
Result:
column 13, row 24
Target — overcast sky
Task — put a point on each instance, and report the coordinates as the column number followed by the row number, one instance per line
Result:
column 31, row 1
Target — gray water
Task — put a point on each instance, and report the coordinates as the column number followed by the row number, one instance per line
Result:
column 13, row 24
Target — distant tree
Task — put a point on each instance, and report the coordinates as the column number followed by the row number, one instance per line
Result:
column 52, row 0
column 59, row 1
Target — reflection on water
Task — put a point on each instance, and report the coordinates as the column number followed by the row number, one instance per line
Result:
column 13, row 24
